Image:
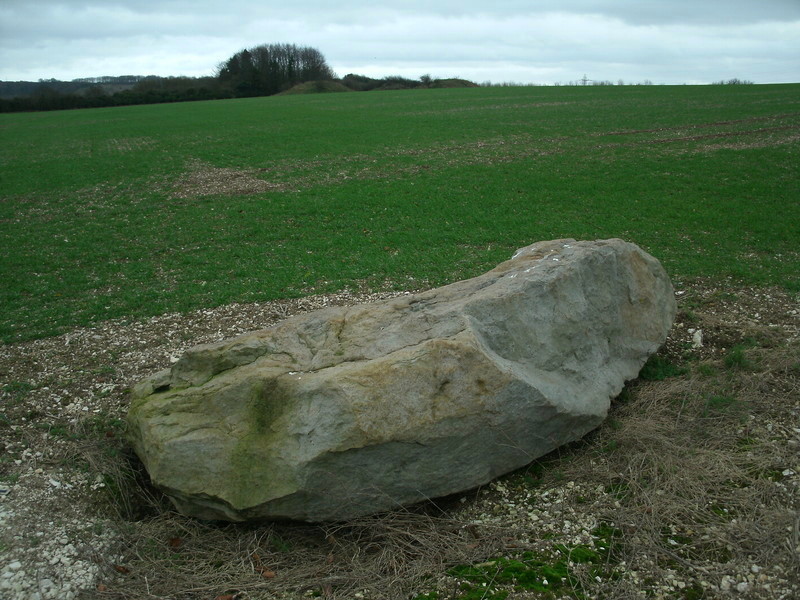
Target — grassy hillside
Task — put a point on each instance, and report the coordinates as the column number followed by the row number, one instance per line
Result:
column 135, row 211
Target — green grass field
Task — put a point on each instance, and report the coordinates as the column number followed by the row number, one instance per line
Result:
column 136, row 211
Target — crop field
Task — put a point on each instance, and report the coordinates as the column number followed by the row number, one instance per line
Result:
column 130, row 234
column 137, row 211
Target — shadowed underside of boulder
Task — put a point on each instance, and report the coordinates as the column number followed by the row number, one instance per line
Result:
column 353, row 410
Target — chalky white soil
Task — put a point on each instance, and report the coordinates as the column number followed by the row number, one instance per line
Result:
column 52, row 541
column 58, row 540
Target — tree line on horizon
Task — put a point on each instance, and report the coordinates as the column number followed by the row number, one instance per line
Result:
column 260, row 71
column 263, row 70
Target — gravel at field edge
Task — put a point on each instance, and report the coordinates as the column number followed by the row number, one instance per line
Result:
column 52, row 544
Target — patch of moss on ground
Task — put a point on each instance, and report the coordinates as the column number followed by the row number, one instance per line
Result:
column 658, row 368
column 548, row 573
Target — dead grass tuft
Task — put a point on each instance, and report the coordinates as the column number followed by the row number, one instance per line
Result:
column 383, row 556
column 695, row 478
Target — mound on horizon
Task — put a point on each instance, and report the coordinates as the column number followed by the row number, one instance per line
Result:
column 453, row 83
column 401, row 84
column 316, row 87
column 319, row 87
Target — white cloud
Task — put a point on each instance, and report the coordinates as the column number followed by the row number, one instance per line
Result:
column 670, row 42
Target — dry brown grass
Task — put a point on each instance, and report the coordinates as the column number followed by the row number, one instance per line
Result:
column 693, row 471
column 384, row 556
column 697, row 467
column 697, row 473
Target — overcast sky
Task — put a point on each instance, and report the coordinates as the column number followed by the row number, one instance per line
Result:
column 535, row 41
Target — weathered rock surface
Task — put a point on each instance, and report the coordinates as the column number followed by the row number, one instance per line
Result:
column 348, row 411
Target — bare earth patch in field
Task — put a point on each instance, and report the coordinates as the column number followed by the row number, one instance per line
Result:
column 202, row 179
column 388, row 163
column 488, row 107
column 129, row 144
column 690, row 490
column 742, row 134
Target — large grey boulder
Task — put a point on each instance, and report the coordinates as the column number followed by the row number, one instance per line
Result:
column 352, row 410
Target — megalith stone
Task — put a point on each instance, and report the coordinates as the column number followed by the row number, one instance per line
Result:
column 348, row 411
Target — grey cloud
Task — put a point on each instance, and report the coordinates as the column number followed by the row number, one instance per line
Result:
column 548, row 40
column 651, row 12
